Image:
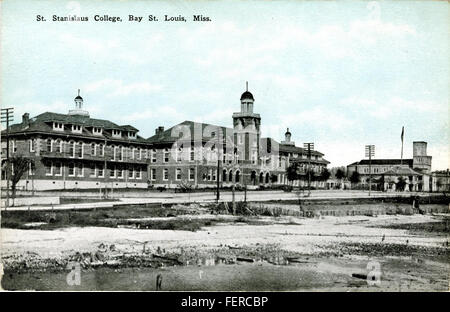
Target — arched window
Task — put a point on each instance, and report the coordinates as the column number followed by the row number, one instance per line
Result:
column 238, row 176
column 224, row 175
column 58, row 146
column 230, row 176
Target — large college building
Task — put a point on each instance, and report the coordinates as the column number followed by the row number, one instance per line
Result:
column 75, row 151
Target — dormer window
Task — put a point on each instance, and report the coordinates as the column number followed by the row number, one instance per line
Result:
column 131, row 135
column 116, row 133
column 76, row 128
column 96, row 131
column 58, row 126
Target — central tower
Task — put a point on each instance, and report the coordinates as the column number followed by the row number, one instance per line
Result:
column 246, row 125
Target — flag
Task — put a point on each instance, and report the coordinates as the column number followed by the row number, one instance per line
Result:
column 403, row 132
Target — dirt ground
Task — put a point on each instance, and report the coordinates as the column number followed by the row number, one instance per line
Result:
column 236, row 253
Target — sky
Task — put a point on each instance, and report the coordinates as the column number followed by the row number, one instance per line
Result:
column 340, row 74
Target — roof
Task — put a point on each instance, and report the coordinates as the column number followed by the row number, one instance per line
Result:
column 286, row 148
column 295, row 149
column 168, row 137
column 75, row 119
column 247, row 95
column 408, row 162
column 42, row 123
column 401, row 171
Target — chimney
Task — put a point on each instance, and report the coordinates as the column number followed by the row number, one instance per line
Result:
column 26, row 119
column 159, row 130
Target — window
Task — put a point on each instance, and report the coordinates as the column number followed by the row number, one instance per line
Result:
column 92, row 170
column 101, row 150
column 166, row 174
column 179, row 154
column 49, row 145
column 72, row 149
column 116, row 133
column 76, row 129
column 138, row 154
column 178, row 174
column 71, row 169
column 115, row 152
column 130, row 173
column 166, row 155
column 119, row 173
column 93, row 149
column 191, row 174
column 57, row 169
column 112, row 172
column 48, row 169
column 31, row 169
column 32, row 145
column 14, row 146
column 133, row 151
column 153, row 155
column 97, row 131
column 192, row 154
column 100, row 171
column 153, row 174
column 254, row 157
column 131, row 134
column 58, row 126
column 80, row 170
column 79, row 149
column 58, row 146
column 120, row 155
column 214, row 175
column 209, row 174
column 138, row 173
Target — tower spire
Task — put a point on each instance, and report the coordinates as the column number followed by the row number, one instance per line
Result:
column 78, row 92
column 246, row 86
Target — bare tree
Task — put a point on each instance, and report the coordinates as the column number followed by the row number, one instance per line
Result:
column 17, row 166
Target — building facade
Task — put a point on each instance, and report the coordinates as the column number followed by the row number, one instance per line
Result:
column 386, row 173
column 74, row 151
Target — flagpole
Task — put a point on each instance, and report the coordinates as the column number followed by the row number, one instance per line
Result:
column 401, row 156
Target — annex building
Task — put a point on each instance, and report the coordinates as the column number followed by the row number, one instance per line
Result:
column 385, row 173
column 75, row 151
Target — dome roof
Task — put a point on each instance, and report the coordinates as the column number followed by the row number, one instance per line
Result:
column 288, row 132
column 78, row 98
column 247, row 96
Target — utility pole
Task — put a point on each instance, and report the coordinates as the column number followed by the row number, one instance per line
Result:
column 309, row 147
column 370, row 151
column 7, row 115
column 219, row 146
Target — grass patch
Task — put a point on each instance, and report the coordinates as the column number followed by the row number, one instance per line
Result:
column 384, row 249
column 108, row 217
column 441, row 227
